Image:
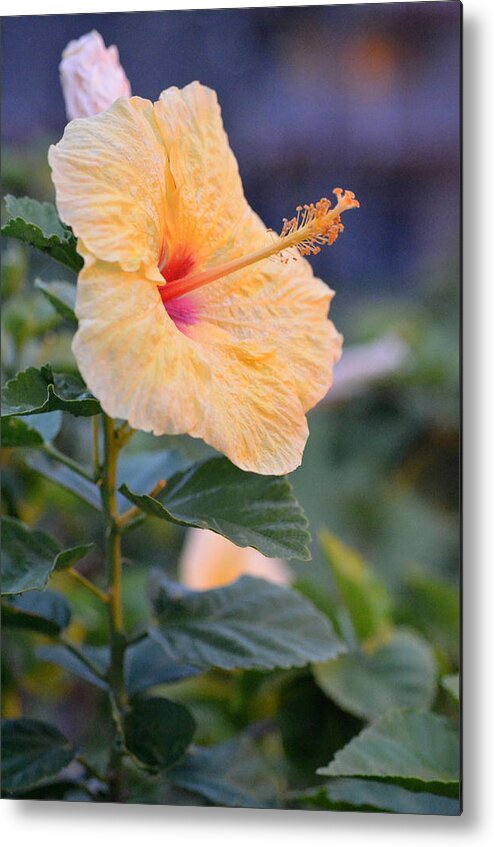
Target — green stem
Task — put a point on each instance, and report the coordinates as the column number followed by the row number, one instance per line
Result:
column 96, row 459
column 129, row 517
column 66, row 460
column 88, row 584
column 117, row 637
column 83, row 658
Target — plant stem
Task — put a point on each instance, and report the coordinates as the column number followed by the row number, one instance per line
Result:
column 82, row 657
column 66, row 460
column 117, row 637
column 135, row 512
column 88, row 584
column 96, row 459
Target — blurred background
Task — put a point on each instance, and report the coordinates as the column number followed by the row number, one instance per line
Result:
column 366, row 97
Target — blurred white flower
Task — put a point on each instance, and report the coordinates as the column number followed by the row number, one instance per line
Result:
column 92, row 76
column 364, row 365
column 208, row 560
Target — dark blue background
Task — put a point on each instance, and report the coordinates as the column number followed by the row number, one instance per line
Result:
column 366, row 97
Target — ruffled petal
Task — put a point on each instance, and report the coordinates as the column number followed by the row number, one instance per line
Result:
column 284, row 307
column 233, row 394
column 208, row 209
column 109, row 176
column 253, row 414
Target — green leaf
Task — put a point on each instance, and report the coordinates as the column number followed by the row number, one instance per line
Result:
column 229, row 774
column 61, row 296
column 68, row 558
column 60, row 655
column 158, row 731
column 250, row 623
column 32, row 753
column 35, row 391
column 38, row 224
column 145, row 468
column 451, row 683
column 30, row 556
column 146, row 665
column 40, row 611
column 31, row 431
column 16, row 433
column 249, row 509
column 367, row 796
column 417, row 750
column 432, row 606
column 398, row 674
column 323, row 730
column 363, row 594
column 85, row 490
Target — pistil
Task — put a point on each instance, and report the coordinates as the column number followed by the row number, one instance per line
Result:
column 314, row 225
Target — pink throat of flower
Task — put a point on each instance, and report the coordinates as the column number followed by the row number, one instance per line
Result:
column 183, row 310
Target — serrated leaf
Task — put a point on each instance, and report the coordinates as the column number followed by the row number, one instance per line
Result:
column 68, row 558
column 85, row 490
column 36, row 391
column 367, row 796
column 250, row 623
column 31, row 430
column 146, row 665
column 143, row 470
column 38, row 224
column 364, row 596
column 398, row 674
column 60, row 655
column 417, row 750
column 323, row 730
column 39, row 611
column 229, row 774
column 249, row 509
column 16, row 433
column 61, row 295
column 30, row 556
column 32, row 753
column 158, row 731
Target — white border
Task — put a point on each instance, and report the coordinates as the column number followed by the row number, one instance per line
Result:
column 49, row 825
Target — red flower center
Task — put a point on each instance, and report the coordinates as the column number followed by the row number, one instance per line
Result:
column 182, row 310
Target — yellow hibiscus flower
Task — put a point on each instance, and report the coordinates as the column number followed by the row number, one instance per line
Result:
column 187, row 324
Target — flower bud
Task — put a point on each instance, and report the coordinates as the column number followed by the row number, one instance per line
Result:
column 92, row 76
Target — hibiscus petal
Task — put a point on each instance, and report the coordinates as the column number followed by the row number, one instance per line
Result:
column 233, row 394
column 282, row 307
column 209, row 209
column 253, row 415
column 285, row 307
column 109, row 175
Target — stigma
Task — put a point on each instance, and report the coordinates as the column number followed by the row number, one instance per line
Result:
column 314, row 226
